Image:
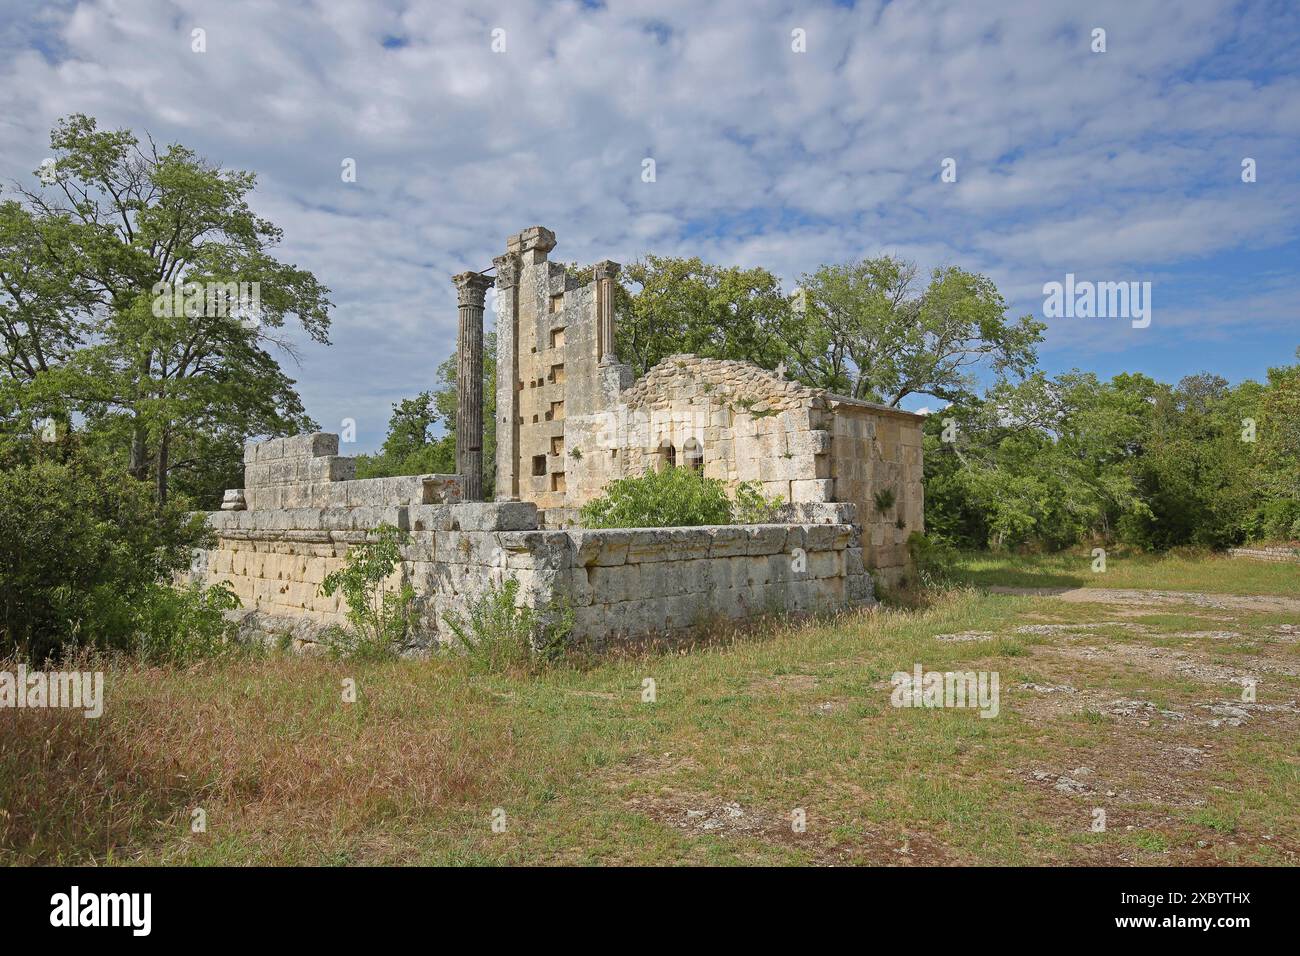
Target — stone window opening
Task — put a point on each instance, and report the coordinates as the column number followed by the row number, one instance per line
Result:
column 667, row 456
column 539, row 465
column 693, row 454
column 557, row 302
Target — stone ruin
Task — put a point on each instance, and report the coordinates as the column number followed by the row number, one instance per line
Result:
column 571, row 418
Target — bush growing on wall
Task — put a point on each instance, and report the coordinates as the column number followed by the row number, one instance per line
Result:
column 675, row 498
column 752, row 506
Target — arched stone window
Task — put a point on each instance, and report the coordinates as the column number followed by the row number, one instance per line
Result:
column 667, row 455
column 692, row 455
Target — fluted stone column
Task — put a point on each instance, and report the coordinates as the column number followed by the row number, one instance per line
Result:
column 605, row 272
column 507, row 463
column 470, row 289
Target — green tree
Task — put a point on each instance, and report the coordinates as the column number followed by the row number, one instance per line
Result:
column 686, row 305
column 89, row 259
column 1195, row 470
column 1043, row 460
column 1278, row 432
column 868, row 333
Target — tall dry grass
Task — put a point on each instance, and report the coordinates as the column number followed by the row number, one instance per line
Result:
column 255, row 747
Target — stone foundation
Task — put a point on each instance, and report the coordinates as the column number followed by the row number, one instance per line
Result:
column 620, row 584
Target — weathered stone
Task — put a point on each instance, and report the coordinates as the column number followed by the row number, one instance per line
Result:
column 728, row 541
column 767, row 538
column 494, row 516
column 429, row 518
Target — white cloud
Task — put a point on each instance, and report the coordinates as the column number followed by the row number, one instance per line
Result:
column 1119, row 165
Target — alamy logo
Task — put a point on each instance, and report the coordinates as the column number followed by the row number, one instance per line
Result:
column 71, row 689
column 947, row 689
column 214, row 300
column 1098, row 300
column 103, row 909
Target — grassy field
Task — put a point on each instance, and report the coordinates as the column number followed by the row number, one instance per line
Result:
column 1129, row 709
column 1174, row 572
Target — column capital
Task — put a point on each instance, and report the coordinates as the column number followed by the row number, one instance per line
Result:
column 471, row 288
column 507, row 270
column 606, row 269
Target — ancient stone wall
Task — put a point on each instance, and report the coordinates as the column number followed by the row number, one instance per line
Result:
column 570, row 418
column 875, row 454
column 739, row 423
column 629, row 583
column 731, row 420
column 549, row 351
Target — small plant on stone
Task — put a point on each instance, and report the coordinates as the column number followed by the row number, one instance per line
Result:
column 751, row 506
column 498, row 635
column 381, row 618
column 576, row 454
column 884, row 500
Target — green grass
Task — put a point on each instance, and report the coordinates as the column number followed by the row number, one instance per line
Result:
column 1174, row 572
column 795, row 717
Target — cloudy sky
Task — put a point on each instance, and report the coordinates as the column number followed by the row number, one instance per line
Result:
column 1123, row 165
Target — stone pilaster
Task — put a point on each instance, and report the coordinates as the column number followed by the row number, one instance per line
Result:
column 470, row 289
column 508, row 377
column 605, row 272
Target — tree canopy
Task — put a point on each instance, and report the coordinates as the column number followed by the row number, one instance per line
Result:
column 123, row 278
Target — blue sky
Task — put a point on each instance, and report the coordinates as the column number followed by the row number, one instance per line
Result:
column 1115, row 166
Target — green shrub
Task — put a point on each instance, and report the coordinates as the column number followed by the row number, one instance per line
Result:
column 1275, row 520
column 381, row 618
column 85, row 554
column 932, row 557
column 179, row 626
column 675, row 498
column 496, row 635
column 752, row 506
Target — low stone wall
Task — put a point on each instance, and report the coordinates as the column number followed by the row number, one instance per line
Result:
column 297, row 517
column 1267, row 554
column 620, row 584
